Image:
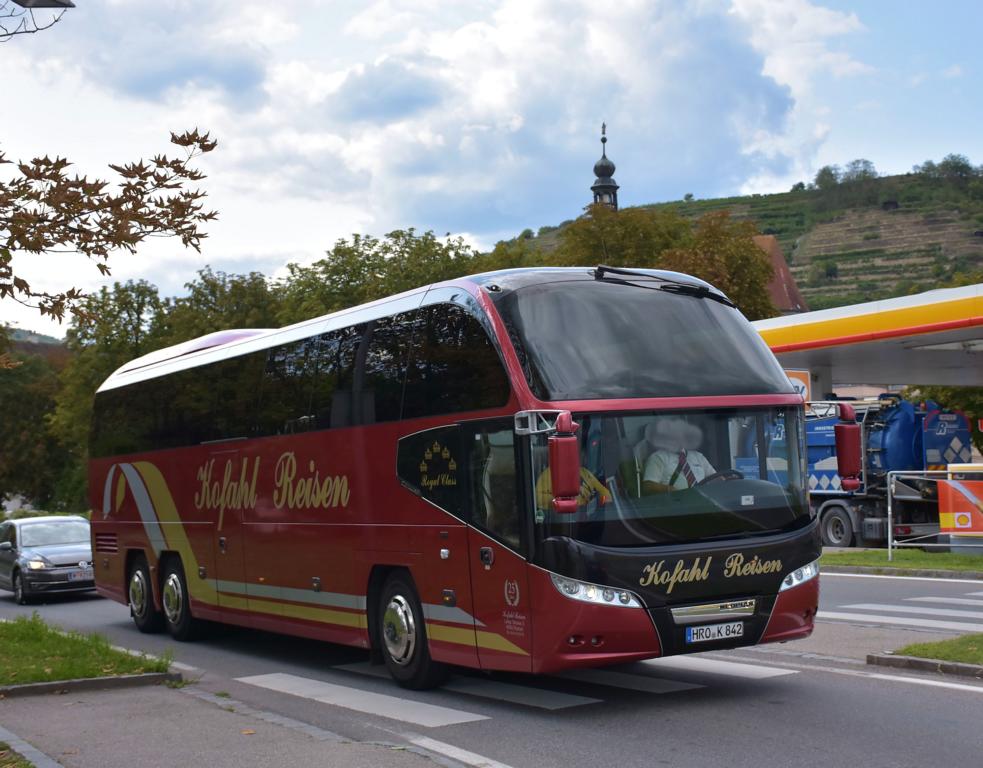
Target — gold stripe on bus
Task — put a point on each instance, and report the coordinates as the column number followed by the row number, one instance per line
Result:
column 461, row 636
column 173, row 530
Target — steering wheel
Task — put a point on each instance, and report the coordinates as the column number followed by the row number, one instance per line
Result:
column 726, row 474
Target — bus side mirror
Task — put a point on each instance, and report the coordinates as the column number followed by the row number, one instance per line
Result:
column 847, row 435
column 565, row 464
column 6, row 546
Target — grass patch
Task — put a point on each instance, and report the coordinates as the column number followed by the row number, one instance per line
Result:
column 10, row 759
column 33, row 652
column 906, row 558
column 967, row 649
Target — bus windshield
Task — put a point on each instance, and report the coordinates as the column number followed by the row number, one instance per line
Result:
column 679, row 477
column 589, row 339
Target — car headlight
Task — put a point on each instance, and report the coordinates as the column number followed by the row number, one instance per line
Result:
column 800, row 576
column 37, row 564
column 592, row 593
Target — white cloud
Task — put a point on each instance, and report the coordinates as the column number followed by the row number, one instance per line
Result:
column 952, row 72
column 473, row 118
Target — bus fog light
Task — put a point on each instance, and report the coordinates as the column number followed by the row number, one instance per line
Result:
column 592, row 593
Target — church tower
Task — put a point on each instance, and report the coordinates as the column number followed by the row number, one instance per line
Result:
column 605, row 188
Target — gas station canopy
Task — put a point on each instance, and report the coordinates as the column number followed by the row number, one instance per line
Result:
column 929, row 338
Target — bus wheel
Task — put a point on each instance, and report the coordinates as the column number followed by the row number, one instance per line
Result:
column 403, row 636
column 837, row 528
column 141, row 597
column 177, row 608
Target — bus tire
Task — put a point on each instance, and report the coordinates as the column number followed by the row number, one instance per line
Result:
column 836, row 528
column 140, row 596
column 176, row 601
column 403, row 636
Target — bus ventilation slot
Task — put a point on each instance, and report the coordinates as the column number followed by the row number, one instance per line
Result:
column 107, row 543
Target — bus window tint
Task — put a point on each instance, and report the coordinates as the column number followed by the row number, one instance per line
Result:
column 454, row 366
column 331, row 400
column 381, row 392
column 429, row 464
column 286, row 389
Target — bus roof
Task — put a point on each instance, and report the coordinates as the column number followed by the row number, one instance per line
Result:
column 226, row 344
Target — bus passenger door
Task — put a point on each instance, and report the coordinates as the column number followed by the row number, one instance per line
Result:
column 496, row 539
column 232, row 467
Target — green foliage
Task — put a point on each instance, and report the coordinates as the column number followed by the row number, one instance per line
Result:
column 967, row 649
column 630, row 237
column 30, row 457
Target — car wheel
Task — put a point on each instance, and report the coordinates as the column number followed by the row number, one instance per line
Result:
column 403, row 636
column 139, row 588
column 21, row 595
column 837, row 528
column 177, row 604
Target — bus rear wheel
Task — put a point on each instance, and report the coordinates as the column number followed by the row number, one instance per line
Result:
column 140, row 596
column 177, row 602
column 403, row 636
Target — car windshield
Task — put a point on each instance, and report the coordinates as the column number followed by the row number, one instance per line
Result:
column 676, row 477
column 54, row 532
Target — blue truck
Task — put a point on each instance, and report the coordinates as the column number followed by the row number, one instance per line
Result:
column 895, row 435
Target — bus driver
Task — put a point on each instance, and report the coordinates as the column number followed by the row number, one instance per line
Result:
column 676, row 463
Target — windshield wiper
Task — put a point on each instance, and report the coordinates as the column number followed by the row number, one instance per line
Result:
column 668, row 284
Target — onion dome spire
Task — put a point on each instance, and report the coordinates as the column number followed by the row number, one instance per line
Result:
column 605, row 188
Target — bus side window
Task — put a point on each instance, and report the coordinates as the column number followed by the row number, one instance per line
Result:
column 332, row 398
column 495, row 502
column 379, row 389
column 429, row 464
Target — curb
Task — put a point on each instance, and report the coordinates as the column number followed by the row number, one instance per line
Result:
column 926, row 665
column 89, row 684
column 930, row 573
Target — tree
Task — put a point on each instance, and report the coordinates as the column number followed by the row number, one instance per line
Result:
column 31, row 459
column 218, row 301
column 724, row 254
column 799, row 186
column 956, row 169
column 43, row 210
column 23, row 21
column 113, row 327
column 367, row 268
column 857, row 171
column 827, row 178
column 688, row 197
column 629, row 237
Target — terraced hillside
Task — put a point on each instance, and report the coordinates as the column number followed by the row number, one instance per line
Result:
column 884, row 237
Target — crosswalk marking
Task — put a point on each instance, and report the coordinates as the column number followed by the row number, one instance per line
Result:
column 956, row 614
column 869, row 618
column 715, row 667
column 632, row 682
column 426, row 715
column 946, row 600
column 492, row 689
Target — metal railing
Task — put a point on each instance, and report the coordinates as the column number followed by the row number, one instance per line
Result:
column 920, row 541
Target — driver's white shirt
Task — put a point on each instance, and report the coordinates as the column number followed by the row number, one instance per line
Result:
column 660, row 466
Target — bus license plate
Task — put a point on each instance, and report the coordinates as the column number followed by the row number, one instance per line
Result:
column 707, row 632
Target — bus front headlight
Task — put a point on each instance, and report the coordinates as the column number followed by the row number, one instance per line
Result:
column 800, row 576
column 586, row 592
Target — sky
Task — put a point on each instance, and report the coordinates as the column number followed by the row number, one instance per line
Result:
column 477, row 119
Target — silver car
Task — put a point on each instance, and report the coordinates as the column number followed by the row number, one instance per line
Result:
column 43, row 555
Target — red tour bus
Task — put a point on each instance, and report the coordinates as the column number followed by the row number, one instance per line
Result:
column 528, row 470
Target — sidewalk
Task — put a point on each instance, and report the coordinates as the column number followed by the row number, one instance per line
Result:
column 160, row 726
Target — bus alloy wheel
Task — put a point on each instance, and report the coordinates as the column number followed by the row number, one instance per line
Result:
column 175, row 600
column 141, row 598
column 403, row 636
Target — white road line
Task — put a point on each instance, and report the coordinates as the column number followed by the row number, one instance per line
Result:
column 975, row 594
column 492, row 689
column 903, row 621
column 952, row 612
column 946, row 600
column 614, row 679
column 714, row 667
column 828, row 575
column 455, row 753
column 427, row 715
